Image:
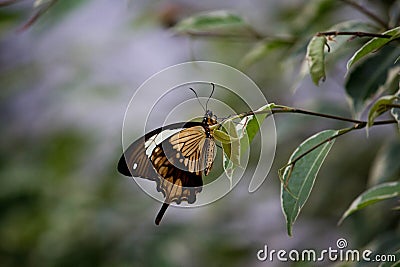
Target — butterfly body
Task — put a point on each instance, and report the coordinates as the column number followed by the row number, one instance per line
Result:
column 175, row 157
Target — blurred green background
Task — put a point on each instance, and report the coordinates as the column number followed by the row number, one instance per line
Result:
column 64, row 86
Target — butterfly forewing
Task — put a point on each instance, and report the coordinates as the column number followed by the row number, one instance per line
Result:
column 175, row 157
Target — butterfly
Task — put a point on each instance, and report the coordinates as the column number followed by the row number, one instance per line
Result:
column 175, row 157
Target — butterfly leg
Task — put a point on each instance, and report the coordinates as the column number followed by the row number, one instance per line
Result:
column 161, row 213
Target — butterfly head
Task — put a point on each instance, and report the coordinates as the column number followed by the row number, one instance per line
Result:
column 209, row 118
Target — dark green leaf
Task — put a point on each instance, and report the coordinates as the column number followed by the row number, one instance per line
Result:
column 364, row 81
column 299, row 178
column 392, row 81
column 386, row 167
column 373, row 45
column 377, row 193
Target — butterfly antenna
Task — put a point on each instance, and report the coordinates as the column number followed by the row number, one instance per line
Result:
column 198, row 99
column 212, row 92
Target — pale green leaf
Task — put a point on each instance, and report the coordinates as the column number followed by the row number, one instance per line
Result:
column 220, row 21
column 316, row 58
column 298, row 179
column 38, row 3
column 372, row 46
column 377, row 193
column 261, row 50
column 396, row 111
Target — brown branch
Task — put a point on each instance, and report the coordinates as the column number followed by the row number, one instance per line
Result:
column 357, row 34
column 292, row 163
column 253, row 35
column 393, row 105
column 355, row 127
column 295, row 110
column 221, row 35
column 7, row 2
column 37, row 15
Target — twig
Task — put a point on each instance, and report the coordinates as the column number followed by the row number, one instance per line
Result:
column 37, row 15
column 367, row 13
column 393, row 105
column 357, row 34
column 292, row 163
column 7, row 2
column 252, row 36
column 284, row 109
column 342, row 132
column 221, row 35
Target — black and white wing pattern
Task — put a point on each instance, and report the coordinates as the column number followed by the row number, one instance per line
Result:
column 175, row 157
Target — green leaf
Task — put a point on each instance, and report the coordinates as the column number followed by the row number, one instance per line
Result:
column 299, row 178
column 231, row 155
column 250, row 126
column 386, row 167
column 392, row 81
column 396, row 111
column 241, row 137
column 221, row 136
column 316, row 58
column 372, row 46
column 364, row 81
column 380, row 107
column 338, row 45
column 232, row 148
column 220, row 21
column 373, row 195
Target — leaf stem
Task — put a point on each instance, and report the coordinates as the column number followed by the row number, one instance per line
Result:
column 366, row 12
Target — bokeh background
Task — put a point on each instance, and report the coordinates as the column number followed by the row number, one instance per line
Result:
column 64, row 85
